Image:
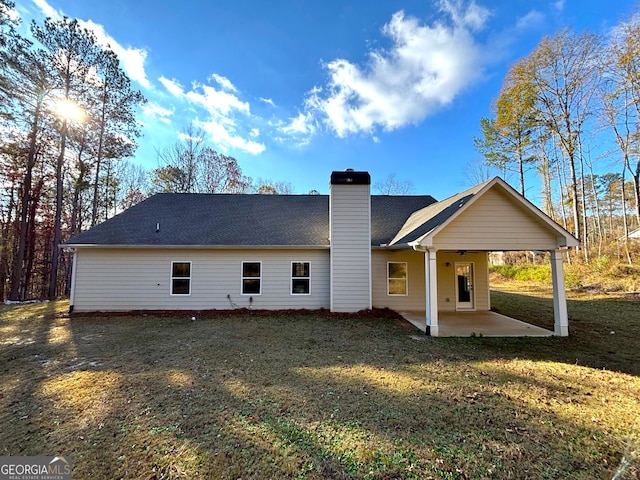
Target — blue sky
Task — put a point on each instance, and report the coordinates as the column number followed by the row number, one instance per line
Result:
column 294, row 89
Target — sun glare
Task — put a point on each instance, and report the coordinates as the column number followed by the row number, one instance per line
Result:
column 69, row 110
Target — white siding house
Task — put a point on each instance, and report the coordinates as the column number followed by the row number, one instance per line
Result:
column 348, row 251
column 134, row 279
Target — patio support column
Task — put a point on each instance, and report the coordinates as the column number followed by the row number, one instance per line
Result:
column 560, row 315
column 431, row 274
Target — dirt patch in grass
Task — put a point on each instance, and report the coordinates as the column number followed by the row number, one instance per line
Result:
column 309, row 395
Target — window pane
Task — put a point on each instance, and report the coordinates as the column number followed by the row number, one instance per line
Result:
column 250, row 286
column 300, row 269
column 397, row 270
column 397, row 287
column 181, row 269
column 180, row 286
column 251, row 269
column 300, row 286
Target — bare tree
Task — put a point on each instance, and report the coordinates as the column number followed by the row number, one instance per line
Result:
column 564, row 74
column 190, row 166
column 621, row 97
column 477, row 171
column 392, row 186
column 270, row 187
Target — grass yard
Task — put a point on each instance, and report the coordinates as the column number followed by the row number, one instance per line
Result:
column 311, row 396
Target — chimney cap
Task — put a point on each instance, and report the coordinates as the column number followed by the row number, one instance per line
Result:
column 350, row 177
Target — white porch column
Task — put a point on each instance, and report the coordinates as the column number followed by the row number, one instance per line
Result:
column 431, row 274
column 560, row 315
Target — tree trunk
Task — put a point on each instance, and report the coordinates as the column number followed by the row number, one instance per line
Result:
column 625, row 220
column 585, row 219
column 96, row 180
column 57, row 225
column 4, row 252
column 17, row 273
column 31, row 239
column 636, row 188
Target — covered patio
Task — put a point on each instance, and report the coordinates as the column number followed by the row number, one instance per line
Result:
column 479, row 323
column 456, row 235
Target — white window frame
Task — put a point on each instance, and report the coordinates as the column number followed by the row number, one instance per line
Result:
column 406, row 280
column 172, row 278
column 308, row 279
column 243, row 278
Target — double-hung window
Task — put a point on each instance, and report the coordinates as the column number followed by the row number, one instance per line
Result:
column 397, row 278
column 180, row 278
column 251, row 278
column 300, row 278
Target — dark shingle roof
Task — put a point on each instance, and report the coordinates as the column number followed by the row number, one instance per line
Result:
column 241, row 220
column 427, row 219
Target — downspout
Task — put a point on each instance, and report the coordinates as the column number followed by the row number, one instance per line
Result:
column 72, row 293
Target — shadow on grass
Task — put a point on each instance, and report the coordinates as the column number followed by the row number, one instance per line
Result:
column 305, row 397
column 603, row 332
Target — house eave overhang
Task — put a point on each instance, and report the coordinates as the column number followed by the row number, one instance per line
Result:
column 195, row 247
column 398, row 246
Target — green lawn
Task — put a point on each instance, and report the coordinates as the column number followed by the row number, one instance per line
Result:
column 315, row 396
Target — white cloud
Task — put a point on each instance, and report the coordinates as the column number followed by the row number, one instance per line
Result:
column 215, row 101
column 154, row 110
column 224, row 82
column 558, row 5
column 183, row 136
column 48, row 10
column 220, row 108
column 11, row 13
column 225, row 137
column 132, row 58
column 300, row 128
column 303, row 124
column 425, row 69
column 473, row 16
column 531, row 19
column 268, row 101
column 172, row 86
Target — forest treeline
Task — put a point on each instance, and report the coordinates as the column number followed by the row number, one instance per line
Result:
column 567, row 111
column 68, row 122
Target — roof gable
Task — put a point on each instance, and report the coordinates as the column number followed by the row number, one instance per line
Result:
column 424, row 226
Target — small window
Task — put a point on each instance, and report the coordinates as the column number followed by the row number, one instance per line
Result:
column 251, row 278
column 300, row 278
column 397, row 278
column 180, row 278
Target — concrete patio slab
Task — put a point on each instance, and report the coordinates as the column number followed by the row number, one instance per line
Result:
column 468, row 324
